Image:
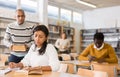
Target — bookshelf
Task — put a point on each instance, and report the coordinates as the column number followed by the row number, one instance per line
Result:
column 3, row 25
column 54, row 31
column 111, row 36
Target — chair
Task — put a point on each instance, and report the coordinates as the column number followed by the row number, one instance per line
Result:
column 91, row 73
column 74, row 55
column 63, row 68
column 71, row 68
column 110, row 69
column 85, row 72
column 100, row 74
column 3, row 58
column 66, row 57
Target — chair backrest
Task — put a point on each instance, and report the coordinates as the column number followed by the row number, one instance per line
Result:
column 71, row 68
column 3, row 57
column 74, row 55
column 66, row 57
column 63, row 68
column 85, row 72
column 110, row 69
column 100, row 74
column 91, row 73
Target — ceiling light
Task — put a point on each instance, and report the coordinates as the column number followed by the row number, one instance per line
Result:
column 85, row 3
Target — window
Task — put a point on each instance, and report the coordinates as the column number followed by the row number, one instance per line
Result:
column 77, row 17
column 53, row 12
column 29, row 5
column 65, row 15
column 11, row 4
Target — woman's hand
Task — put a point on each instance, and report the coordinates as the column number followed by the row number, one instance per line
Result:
column 15, row 65
column 33, row 68
column 12, row 65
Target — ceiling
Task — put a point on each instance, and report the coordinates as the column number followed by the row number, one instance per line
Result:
column 98, row 3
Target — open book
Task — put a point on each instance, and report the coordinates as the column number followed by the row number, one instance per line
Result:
column 35, row 72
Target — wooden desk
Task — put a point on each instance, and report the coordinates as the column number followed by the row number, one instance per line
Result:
column 45, row 74
column 77, row 62
column 74, row 64
column 85, row 64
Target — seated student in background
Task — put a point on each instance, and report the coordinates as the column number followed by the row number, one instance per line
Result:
column 99, row 51
column 41, row 54
column 63, row 44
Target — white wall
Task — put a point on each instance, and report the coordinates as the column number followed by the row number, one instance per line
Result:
column 102, row 18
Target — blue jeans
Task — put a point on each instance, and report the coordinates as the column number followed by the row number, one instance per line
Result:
column 13, row 58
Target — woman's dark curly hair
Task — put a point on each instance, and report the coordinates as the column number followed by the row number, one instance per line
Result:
column 44, row 29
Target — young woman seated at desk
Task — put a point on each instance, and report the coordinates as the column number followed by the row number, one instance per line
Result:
column 41, row 55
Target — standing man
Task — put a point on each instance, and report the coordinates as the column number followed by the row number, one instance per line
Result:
column 18, row 33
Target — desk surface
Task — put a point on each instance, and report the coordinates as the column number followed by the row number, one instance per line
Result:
column 86, row 63
column 45, row 74
column 77, row 62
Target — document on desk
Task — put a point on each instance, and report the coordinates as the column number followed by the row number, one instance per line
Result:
column 7, row 70
column 4, row 71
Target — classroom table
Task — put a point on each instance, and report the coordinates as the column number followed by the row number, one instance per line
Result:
column 84, row 64
column 45, row 74
column 74, row 64
column 77, row 62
